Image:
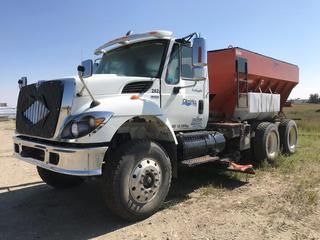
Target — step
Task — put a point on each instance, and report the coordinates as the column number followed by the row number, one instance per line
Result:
column 199, row 160
column 224, row 164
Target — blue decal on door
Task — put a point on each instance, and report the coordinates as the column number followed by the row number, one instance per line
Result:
column 189, row 102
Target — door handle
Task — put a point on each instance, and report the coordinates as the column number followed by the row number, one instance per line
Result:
column 200, row 107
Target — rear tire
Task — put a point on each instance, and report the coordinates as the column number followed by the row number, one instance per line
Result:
column 288, row 136
column 136, row 179
column 58, row 180
column 266, row 142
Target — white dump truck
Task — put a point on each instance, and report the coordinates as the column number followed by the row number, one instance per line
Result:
column 150, row 104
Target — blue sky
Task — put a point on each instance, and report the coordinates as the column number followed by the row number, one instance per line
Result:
column 46, row 39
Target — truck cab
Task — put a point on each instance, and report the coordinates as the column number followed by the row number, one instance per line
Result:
column 132, row 118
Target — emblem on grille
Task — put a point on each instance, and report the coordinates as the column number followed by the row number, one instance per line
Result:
column 36, row 112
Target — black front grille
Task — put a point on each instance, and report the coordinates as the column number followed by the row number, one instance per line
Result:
column 137, row 87
column 38, row 108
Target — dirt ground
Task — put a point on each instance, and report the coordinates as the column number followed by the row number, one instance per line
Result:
column 202, row 204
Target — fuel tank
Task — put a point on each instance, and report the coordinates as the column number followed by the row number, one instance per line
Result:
column 197, row 144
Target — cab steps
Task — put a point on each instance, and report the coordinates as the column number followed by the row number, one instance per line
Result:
column 222, row 163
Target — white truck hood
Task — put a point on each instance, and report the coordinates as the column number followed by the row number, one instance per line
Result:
column 102, row 87
column 106, row 84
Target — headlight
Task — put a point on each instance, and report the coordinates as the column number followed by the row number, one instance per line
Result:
column 83, row 124
column 75, row 129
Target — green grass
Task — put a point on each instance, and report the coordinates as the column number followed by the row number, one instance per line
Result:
column 307, row 156
column 309, row 115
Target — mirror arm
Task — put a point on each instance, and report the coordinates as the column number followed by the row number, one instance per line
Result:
column 94, row 102
column 79, row 94
column 176, row 90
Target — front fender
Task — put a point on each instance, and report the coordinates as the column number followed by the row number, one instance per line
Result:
column 123, row 108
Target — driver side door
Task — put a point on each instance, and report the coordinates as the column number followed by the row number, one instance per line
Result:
column 185, row 108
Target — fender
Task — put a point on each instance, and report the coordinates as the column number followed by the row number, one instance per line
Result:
column 123, row 108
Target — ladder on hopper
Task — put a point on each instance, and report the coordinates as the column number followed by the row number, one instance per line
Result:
column 242, row 82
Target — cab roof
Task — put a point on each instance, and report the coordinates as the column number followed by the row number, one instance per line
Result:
column 130, row 38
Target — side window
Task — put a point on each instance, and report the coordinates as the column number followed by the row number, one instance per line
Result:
column 186, row 62
column 173, row 73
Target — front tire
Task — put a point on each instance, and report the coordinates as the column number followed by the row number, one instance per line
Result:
column 58, row 180
column 136, row 179
column 266, row 142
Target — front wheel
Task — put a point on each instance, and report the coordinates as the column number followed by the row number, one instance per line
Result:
column 136, row 179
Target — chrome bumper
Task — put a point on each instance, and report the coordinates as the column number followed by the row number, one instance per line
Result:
column 67, row 160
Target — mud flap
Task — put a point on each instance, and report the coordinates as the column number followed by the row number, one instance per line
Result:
column 240, row 168
column 228, row 164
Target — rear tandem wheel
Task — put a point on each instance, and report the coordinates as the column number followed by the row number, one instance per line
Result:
column 288, row 136
column 266, row 142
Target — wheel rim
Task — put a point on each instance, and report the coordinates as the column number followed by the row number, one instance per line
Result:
column 145, row 180
column 272, row 144
column 292, row 138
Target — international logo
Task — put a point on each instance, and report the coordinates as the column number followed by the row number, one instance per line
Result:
column 36, row 112
column 189, row 102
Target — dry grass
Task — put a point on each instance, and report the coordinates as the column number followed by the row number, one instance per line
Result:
column 300, row 172
column 303, row 167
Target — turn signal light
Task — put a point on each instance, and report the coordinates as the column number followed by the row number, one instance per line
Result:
column 134, row 97
column 99, row 121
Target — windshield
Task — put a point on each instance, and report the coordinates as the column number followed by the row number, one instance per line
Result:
column 143, row 59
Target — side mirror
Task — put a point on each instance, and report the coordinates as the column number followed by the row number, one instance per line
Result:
column 22, row 82
column 199, row 52
column 86, row 68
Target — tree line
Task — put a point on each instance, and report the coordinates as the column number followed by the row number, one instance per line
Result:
column 314, row 98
